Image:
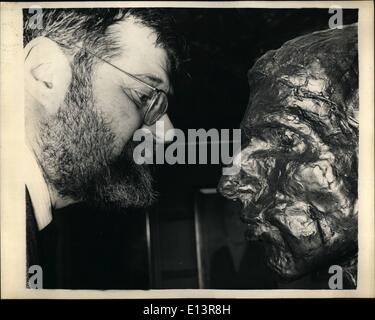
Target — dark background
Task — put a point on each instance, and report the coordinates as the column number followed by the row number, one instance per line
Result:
column 159, row 247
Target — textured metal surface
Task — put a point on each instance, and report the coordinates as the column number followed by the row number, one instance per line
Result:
column 299, row 159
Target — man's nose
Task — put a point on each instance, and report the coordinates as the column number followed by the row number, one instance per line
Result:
column 160, row 129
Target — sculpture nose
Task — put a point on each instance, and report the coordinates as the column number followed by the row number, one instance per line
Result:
column 252, row 182
column 228, row 187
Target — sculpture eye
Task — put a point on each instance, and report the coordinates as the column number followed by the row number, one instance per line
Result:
column 287, row 138
column 292, row 142
column 286, row 142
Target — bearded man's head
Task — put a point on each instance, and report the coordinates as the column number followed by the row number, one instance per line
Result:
column 111, row 59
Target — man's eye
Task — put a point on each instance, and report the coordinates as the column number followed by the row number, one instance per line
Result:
column 142, row 98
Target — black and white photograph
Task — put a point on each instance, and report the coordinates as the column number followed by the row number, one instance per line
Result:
column 192, row 147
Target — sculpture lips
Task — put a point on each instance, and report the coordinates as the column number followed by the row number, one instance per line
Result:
column 256, row 221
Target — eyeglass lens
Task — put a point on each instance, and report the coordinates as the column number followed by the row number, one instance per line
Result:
column 158, row 107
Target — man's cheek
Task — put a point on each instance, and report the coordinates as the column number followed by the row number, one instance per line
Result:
column 121, row 116
column 122, row 127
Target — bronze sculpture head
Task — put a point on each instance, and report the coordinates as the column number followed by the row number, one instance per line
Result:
column 299, row 156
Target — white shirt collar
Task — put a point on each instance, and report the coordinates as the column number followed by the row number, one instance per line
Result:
column 38, row 190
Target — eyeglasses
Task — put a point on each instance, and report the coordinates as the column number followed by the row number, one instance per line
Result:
column 155, row 104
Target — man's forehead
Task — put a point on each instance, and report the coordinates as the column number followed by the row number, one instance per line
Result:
column 139, row 53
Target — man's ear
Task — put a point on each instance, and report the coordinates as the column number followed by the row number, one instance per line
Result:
column 47, row 73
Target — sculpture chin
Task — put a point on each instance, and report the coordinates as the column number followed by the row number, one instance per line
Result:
column 280, row 258
column 294, row 242
column 282, row 263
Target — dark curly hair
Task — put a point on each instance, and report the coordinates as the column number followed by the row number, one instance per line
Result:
column 89, row 27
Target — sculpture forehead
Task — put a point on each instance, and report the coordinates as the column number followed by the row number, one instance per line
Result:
column 314, row 77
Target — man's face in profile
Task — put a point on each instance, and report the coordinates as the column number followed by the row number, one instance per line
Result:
column 86, row 148
column 298, row 177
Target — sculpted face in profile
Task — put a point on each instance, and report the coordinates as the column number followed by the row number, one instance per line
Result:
column 299, row 155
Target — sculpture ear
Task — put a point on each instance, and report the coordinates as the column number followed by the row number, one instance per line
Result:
column 354, row 116
column 47, row 73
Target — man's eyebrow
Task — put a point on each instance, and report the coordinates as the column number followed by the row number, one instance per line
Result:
column 156, row 82
column 150, row 77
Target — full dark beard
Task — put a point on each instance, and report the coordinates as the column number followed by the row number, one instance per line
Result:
column 77, row 154
column 127, row 184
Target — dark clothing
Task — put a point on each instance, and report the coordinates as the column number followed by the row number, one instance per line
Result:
column 41, row 246
column 86, row 248
column 32, row 256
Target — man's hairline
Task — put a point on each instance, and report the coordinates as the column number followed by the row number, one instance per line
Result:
column 152, row 77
